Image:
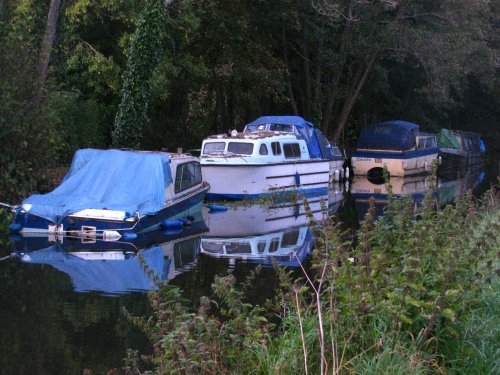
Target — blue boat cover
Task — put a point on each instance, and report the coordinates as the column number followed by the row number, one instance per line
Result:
column 105, row 276
column 113, row 179
column 305, row 128
column 391, row 135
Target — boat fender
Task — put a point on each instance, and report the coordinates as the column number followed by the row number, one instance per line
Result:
column 15, row 227
column 337, row 175
column 297, row 178
column 185, row 221
column 129, row 235
column 169, row 224
column 346, row 172
column 216, row 208
column 426, row 166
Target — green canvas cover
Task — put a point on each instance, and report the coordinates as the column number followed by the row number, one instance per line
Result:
column 446, row 138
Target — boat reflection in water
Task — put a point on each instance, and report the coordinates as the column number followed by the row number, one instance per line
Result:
column 117, row 267
column 448, row 188
column 263, row 234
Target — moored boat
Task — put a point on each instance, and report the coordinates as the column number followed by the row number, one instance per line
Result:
column 273, row 155
column 460, row 149
column 113, row 194
column 398, row 146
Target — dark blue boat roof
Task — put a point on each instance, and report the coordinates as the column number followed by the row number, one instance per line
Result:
column 390, row 135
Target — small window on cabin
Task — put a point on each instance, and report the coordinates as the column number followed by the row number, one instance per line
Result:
column 238, row 248
column 430, row 142
column 240, row 148
column 290, row 238
column 255, row 128
column 261, row 246
column 263, row 149
column 291, row 150
column 213, row 147
column 276, row 147
column 421, row 143
column 274, row 245
column 281, row 128
column 187, row 175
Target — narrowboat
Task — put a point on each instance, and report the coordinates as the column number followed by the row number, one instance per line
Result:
column 273, row 155
column 398, row 146
column 460, row 149
column 115, row 194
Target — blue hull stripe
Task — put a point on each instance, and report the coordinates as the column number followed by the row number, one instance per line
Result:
column 308, row 192
column 389, row 155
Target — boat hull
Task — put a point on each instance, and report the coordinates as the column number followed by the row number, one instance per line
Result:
column 452, row 158
column 250, row 181
column 399, row 164
column 92, row 227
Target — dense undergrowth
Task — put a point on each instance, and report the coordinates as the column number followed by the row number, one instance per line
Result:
column 408, row 293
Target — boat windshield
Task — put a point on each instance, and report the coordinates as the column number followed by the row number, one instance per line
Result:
column 213, row 147
column 242, row 148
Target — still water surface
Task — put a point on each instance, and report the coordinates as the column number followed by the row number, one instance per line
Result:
column 62, row 300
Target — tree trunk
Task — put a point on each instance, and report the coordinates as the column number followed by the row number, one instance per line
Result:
column 339, row 68
column 354, row 90
column 288, row 81
column 307, row 72
column 317, row 80
column 47, row 43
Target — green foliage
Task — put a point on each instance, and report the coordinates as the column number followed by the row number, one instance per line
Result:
column 144, row 56
column 407, row 293
column 222, row 335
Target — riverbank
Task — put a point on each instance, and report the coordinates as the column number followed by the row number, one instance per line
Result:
column 406, row 293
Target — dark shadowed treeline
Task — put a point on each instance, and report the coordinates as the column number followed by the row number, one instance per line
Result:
column 151, row 74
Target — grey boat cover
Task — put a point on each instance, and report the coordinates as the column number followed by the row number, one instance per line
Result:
column 107, row 179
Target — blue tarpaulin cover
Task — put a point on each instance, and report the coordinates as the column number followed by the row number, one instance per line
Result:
column 113, row 179
column 305, row 128
column 106, row 276
column 391, row 135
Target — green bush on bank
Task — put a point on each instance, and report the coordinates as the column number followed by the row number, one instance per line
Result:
column 408, row 293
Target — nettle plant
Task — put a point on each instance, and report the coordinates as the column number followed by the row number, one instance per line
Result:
column 410, row 273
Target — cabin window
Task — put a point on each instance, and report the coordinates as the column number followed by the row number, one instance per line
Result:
column 290, row 238
column 261, row 246
column 185, row 253
column 281, row 128
column 263, row 149
column 291, row 150
column 421, row 143
column 213, row 247
column 187, row 175
column 238, row 248
column 276, row 147
column 241, row 148
column 213, row 147
column 274, row 245
column 255, row 128
column 430, row 142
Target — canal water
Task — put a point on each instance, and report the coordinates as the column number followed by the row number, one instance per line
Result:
column 62, row 299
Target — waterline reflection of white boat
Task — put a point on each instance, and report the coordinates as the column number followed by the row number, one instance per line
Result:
column 266, row 234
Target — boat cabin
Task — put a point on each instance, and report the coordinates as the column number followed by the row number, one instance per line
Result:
column 266, row 147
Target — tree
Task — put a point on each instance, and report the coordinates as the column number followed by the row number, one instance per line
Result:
column 145, row 54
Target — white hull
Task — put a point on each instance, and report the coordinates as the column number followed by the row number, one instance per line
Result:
column 251, row 181
column 399, row 167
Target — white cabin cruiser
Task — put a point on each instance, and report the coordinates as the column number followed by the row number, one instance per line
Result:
column 273, row 155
